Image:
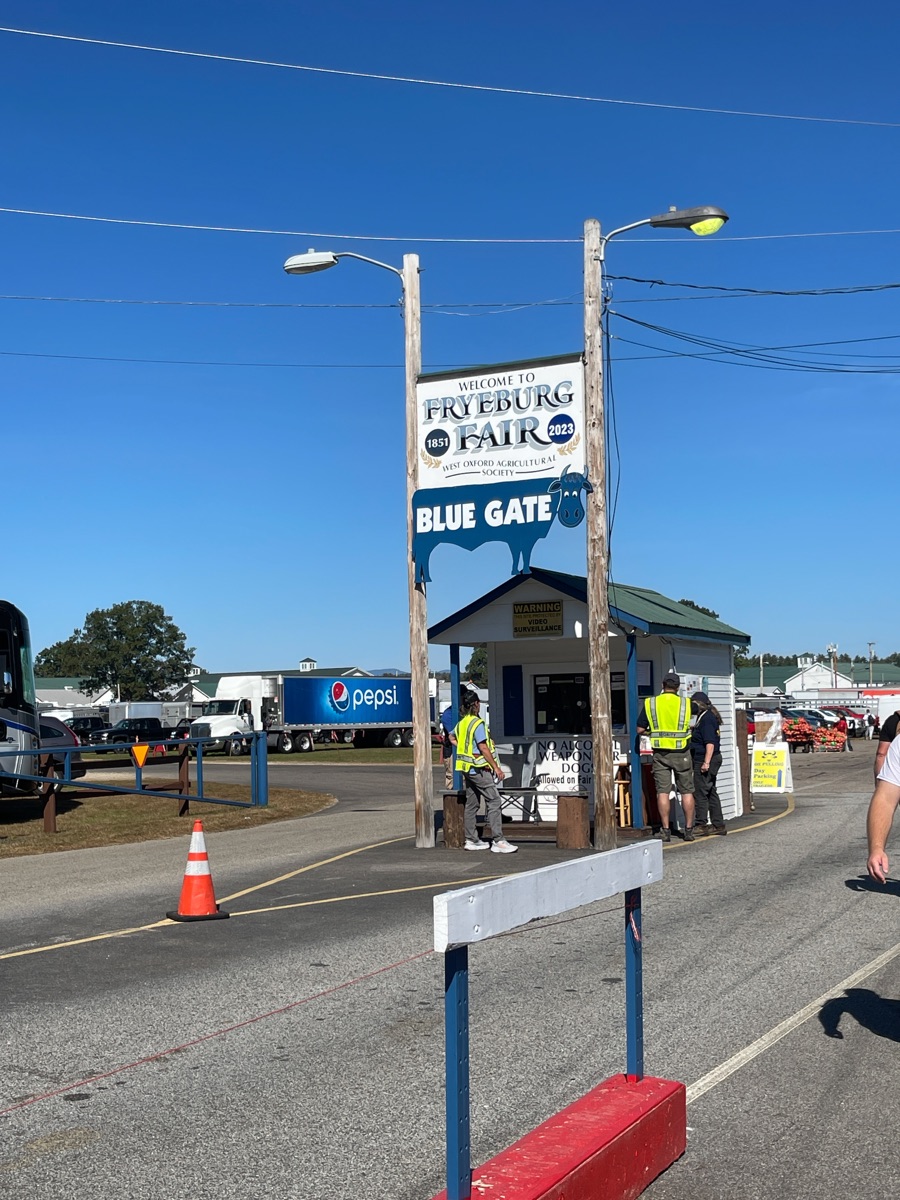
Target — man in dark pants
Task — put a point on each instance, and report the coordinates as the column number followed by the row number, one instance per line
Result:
column 707, row 756
column 666, row 718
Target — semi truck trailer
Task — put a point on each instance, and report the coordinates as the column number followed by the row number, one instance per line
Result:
column 294, row 710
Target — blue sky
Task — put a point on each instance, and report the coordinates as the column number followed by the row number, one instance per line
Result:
column 263, row 505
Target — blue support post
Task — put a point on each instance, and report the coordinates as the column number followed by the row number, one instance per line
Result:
column 454, row 703
column 199, row 746
column 631, row 680
column 634, row 987
column 260, row 768
column 456, row 1025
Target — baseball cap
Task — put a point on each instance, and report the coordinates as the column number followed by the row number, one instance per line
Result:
column 700, row 697
column 671, row 680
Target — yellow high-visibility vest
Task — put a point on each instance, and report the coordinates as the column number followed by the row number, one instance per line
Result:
column 669, row 720
column 468, row 756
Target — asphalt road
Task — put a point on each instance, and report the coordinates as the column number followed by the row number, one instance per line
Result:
column 296, row 1050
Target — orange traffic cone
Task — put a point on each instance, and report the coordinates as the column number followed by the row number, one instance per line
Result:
column 198, row 900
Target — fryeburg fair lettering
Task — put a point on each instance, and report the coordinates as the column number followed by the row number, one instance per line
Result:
column 495, row 396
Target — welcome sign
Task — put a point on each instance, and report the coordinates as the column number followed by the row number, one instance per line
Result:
column 512, row 421
column 501, row 457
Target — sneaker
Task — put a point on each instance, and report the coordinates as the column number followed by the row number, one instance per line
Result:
column 477, row 845
column 665, row 833
column 502, row 846
column 702, row 830
column 719, row 830
column 689, row 834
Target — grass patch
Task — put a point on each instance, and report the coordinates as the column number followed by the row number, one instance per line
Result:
column 338, row 753
column 86, row 821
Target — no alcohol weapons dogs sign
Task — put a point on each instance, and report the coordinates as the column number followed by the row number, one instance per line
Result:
column 501, row 457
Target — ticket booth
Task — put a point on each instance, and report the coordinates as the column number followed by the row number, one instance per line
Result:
column 535, row 629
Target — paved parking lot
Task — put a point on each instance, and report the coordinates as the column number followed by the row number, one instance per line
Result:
column 296, row 1049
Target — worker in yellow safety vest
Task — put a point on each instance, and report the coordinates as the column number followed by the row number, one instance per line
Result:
column 476, row 759
column 667, row 719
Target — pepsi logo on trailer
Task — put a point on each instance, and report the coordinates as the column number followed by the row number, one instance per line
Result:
column 329, row 701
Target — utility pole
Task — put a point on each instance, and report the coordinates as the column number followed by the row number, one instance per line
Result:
column 870, row 645
column 597, row 542
column 761, row 685
column 418, row 616
column 832, row 650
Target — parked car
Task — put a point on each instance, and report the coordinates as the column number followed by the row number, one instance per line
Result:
column 55, row 734
column 817, row 721
column 83, row 727
column 856, row 721
column 131, row 729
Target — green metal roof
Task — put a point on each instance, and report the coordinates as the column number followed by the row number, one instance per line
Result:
column 747, row 678
column 644, row 609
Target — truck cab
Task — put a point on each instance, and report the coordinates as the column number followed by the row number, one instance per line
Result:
column 228, row 721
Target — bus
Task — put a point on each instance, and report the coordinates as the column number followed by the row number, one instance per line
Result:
column 18, row 706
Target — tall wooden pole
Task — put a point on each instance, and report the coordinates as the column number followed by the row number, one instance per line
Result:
column 597, row 543
column 418, row 614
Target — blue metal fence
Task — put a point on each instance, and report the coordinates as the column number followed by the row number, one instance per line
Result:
column 259, row 772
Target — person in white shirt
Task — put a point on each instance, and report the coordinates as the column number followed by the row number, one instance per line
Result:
column 882, row 807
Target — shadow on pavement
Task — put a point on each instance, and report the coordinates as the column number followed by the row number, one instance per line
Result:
column 873, row 1012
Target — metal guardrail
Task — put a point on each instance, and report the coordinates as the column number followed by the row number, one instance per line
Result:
column 51, row 781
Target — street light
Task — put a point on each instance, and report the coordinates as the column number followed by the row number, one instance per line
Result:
column 701, row 221
column 308, row 264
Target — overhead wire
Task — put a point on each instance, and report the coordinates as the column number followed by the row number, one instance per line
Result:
column 430, row 239
column 444, row 83
column 768, row 357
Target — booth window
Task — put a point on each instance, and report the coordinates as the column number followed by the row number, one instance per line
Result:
column 562, row 704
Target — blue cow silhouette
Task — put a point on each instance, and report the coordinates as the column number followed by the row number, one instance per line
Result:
column 570, row 485
column 514, row 500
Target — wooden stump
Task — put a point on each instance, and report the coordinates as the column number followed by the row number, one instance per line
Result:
column 454, row 820
column 573, row 826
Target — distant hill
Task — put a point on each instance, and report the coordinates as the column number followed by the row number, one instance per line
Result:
column 390, row 671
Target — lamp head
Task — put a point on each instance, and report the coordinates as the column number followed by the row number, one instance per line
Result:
column 702, row 221
column 311, row 261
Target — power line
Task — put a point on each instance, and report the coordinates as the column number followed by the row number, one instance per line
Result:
column 306, row 233
column 443, row 83
column 431, row 240
column 444, row 309
column 854, row 289
column 768, row 357
column 195, row 362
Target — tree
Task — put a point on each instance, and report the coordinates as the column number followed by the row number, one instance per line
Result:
column 700, row 608
column 62, row 660
column 476, row 668
column 134, row 648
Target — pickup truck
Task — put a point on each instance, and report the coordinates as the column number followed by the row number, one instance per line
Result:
column 131, row 729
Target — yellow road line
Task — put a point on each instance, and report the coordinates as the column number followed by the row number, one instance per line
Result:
column 419, row 887
column 97, row 937
column 100, row 937
column 788, row 809
column 312, row 866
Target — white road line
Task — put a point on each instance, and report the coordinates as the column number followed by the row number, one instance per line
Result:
column 724, row 1070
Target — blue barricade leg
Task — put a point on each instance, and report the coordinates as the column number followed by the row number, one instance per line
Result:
column 456, row 1023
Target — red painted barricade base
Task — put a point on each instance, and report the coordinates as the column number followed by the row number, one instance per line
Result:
column 613, row 1143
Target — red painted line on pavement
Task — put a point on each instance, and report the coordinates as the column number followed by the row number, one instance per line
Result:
column 275, row 1012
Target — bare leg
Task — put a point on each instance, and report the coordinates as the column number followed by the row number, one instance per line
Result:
column 662, row 803
column 687, row 803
